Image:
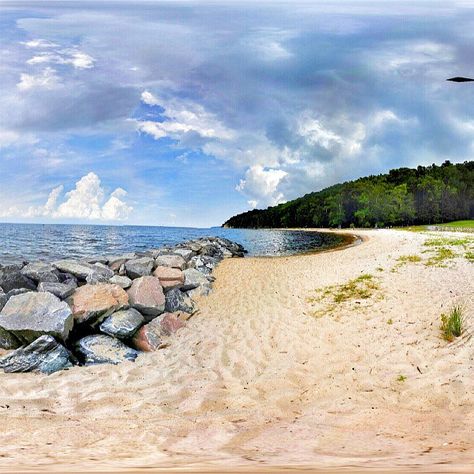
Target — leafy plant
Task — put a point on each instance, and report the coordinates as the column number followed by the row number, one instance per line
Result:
column 452, row 324
column 401, row 378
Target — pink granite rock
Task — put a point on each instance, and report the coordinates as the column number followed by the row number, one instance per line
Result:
column 169, row 277
column 146, row 295
column 92, row 303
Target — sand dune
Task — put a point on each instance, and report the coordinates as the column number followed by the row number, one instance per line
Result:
column 255, row 380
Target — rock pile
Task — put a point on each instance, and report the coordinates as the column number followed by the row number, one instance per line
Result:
column 102, row 309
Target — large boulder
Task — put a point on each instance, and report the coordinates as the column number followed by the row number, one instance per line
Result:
column 176, row 300
column 122, row 281
column 169, row 277
column 122, row 324
column 4, row 297
column 174, row 261
column 93, row 303
column 11, row 278
column 101, row 349
column 186, row 253
column 61, row 290
column 146, row 295
column 150, row 337
column 45, row 355
column 139, row 267
column 40, row 271
column 31, row 315
column 84, row 271
column 193, row 278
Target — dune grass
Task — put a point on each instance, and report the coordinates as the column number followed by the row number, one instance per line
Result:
column 452, row 324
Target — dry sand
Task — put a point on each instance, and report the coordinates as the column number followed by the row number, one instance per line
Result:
column 256, row 381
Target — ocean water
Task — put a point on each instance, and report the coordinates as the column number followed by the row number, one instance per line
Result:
column 53, row 241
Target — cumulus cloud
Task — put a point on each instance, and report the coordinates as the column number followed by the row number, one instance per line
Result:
column 84, row 202
column 262, row 186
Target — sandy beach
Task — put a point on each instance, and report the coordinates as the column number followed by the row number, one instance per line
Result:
column 269, row 374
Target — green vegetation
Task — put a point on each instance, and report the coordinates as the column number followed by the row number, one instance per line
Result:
column 402, row 197
column 401, row 378
column 439, row 248
column 452, row 324
column 461, row 224
column 439, row 258
column 360, row 288
column 390, row 321
column 409, row 259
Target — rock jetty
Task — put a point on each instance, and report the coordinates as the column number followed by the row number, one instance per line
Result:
column 54, row 315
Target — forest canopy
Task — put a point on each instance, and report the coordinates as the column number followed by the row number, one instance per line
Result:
column 425, row 195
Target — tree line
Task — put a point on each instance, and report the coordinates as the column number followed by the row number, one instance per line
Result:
column 425, row 195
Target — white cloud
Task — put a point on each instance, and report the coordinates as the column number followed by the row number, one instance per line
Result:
column 47, row 79
column 262, row 186
column 182, row 117
column 39, row 44
column 84, row 202
column 73, row 57
column 347, row 139
column 115, row 209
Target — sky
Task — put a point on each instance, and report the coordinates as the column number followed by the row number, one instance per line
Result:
column 186, row 113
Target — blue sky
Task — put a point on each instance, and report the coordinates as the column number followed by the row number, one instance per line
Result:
column 185, row 113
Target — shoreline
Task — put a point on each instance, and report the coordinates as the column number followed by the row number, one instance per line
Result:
column 255, row 382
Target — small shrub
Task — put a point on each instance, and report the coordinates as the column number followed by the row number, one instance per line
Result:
column 390, row 321
column 401, row 378
column 469, row 256
column 452, row 324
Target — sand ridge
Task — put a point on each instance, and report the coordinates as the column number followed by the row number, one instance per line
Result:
column 255, row 380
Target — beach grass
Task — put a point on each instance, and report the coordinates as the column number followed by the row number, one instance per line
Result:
column 361, row 288
column 452, row 324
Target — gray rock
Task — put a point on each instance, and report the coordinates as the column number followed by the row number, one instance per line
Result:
column 84, row 271
column 97, row 259
column 172, row 260
column 8, row 340
column 187, row 254
column 139, row 267
column 122, row 324
column 116, row 261
column 4, row 297
column 203, row 263
column 101, row 349
column 193, row 278
column 202, row 290
column 40, row 271
column 61, row 290
column 45, row 355
column 122, row 281
column 31, row 315
column 11, row 278
column 176, row 300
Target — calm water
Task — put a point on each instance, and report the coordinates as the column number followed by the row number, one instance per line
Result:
column 49, row 242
